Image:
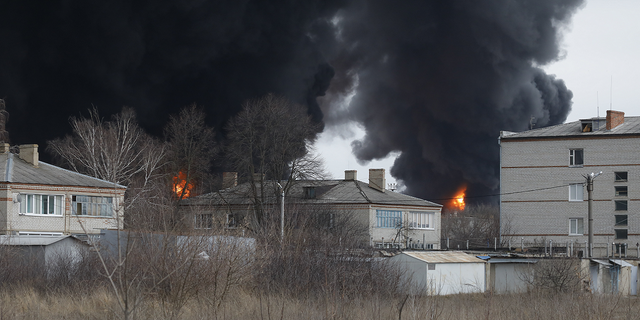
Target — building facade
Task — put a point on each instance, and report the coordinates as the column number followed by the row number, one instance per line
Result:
column 392, row 219
column 543, row 183
column 37, row 198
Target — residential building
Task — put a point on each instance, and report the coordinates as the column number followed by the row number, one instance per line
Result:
column 393, row 219
column 542, row 181
column 37, row 198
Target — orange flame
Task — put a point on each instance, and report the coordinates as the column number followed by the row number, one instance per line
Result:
column 458, row 202
column 180, row 185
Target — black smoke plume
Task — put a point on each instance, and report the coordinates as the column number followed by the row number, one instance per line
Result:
column 438, row 80
column 434, row 80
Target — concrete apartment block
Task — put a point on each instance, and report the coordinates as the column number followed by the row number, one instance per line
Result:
column 542, row 181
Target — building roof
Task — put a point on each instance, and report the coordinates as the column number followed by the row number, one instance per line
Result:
column 16, row 170
column 22, row 240
column 326, row 192
column 443, row 256
column 631, row 126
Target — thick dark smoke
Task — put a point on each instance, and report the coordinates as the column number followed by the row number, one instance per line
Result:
column 438, row 80
column 435, row 80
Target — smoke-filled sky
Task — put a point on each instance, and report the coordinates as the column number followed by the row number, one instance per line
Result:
column 433, row 81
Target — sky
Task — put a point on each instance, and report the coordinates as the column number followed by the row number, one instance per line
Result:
column 599, row 64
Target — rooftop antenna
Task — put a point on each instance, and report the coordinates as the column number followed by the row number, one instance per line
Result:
column 611, row 94
column 598, row 104
column 532, row 122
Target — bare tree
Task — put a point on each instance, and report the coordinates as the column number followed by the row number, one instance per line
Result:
column 191, row 149
column 118, row 151
column 268, row 141
column 480, row 225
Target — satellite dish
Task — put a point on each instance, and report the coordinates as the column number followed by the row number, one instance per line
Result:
column 19, row 198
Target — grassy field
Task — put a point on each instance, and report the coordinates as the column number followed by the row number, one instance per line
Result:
column 28, row 303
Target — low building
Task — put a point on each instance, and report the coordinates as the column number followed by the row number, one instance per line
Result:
column 393, row 219
column 38, row 198
column 442, row 272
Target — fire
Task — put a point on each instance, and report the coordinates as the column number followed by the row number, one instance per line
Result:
column 180, row 185
column 458, row 201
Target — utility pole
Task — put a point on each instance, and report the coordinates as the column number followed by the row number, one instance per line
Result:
column 281, row 213
column 590, row 177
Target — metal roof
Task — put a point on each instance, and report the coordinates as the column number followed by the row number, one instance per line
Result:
column 21, row 240
column 621, row 263
column 443, row 256
column 14, row 169
column 631, row 126
column 326, row 192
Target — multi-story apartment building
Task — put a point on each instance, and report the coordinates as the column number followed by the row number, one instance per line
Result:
column 543, row 183
column 37, row 198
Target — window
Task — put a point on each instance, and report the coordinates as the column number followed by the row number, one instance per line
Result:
column 388, row 219
column 203, row 221
column 421, row 220
column 576, row 157
column 431, row 266
column 326, row 220
column 234, row 220
column 576, row 192
column 621, row 191
column 621, row 205
column 576, row 226
column 41, row 204
column 309, row 192
column 621, row 233
column 621, row 219
column 621, row 176
column 92, row 206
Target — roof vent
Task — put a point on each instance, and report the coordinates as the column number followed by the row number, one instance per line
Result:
column 593, row 124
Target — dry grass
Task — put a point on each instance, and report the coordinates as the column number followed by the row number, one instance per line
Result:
column 26, row 303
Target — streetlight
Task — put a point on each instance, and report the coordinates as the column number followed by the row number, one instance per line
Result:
column 590, row 177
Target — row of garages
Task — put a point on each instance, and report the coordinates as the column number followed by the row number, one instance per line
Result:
column 452, row 272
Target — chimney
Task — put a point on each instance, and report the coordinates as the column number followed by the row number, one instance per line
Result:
column 257, row 177
column 229, row 180
column 351, row 174
column 614, row 119
column 4, row 148
column 377, row 179
column 29, row 153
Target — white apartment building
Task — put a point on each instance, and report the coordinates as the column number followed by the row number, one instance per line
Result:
column 543, row 184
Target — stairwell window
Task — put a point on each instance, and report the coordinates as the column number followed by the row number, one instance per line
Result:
column 92, row 206
column 576, row 157
column 621, row 205
column 576, row 226
column 41, row 204
column 576, row 192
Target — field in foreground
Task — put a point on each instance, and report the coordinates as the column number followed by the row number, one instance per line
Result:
column 26, row 303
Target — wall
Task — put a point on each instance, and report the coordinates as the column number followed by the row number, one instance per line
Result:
column 66, row 223
column 544, row 165
column 429, row 236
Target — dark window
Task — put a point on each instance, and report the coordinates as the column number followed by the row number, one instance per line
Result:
column 621, row 233
column 309, row 192
column 576, row 157
column 621, row 220
column 621, row 176
column 621, row 191
column 204, row 221
column 621, row 205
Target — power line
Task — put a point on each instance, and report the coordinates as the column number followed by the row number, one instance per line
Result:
column 503, row 194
